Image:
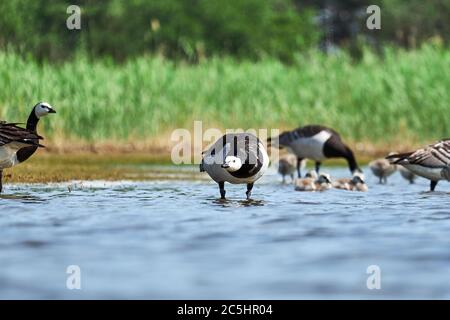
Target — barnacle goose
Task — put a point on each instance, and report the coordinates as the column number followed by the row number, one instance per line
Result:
column 445, row 173
column 382, row 169
column 235, row 158
column 308, row 183
column 286, row 166
column 312, row 182
column 18, row 144
column 317, row 143
column 407, row 174
column 427, row 162
column 356, row 183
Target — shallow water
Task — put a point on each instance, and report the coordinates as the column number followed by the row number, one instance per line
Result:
column 176, row 239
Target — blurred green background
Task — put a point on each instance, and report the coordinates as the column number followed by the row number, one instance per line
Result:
column 138, row 69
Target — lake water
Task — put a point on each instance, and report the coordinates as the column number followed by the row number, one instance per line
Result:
column 173, row 239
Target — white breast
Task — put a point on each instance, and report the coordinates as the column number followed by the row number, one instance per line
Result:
column 8, row 154
column 310, row 147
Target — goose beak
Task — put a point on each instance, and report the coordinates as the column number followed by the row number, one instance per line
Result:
column 50, row 110
column 225, row 166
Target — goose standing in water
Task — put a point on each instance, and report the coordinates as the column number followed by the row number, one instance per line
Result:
column 445, row 173
column 382, row 169
column 235, row 158
column 407, row 174
column 317, row 143
column 286, row 166
column 18, row 144
column 426, row 162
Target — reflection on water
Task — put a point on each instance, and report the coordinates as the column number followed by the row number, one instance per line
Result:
column 176, row 239
column 229, row 203
column 24, row 198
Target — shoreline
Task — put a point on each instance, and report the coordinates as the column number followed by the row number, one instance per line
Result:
column 122, row 162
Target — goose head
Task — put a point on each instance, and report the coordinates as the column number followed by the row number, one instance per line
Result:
column 232, row 163
column 42, row 109
column 357, row 179
column 359, row 184
column 324, row 178
column 358, row 173
column 311, row 174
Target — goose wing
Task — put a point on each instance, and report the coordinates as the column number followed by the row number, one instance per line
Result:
column 312, row 130
column 433, row 156
column 11, row 133
column 288, row 137
column 245, row 146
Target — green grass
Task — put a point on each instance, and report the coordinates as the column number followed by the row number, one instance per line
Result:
column 402, row 95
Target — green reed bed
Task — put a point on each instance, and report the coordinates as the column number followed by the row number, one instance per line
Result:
column 398, row 95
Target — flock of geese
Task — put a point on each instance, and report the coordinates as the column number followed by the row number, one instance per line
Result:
column 241, row 158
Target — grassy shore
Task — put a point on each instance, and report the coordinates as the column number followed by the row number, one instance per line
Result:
column 47, row 167
column 383, row 102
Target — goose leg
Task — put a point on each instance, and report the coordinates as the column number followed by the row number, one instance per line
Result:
column 1, row 178
column 249, row 190
column 284, row 179
column 299, row 164
column 292, row 177
column 222, row 190
column 433, row 185
column 318, row 164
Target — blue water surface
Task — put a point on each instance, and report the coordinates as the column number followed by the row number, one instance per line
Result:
column 174, row 239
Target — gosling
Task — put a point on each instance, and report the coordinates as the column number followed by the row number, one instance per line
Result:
column 314, row 183
column 356, row 183
column 286, row 166
column 382, row 169
column 407, row 174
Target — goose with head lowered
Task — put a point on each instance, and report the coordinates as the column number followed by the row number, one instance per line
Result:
column 238, row 158
column 17, row 144
column 317, row 143
column 427, row 162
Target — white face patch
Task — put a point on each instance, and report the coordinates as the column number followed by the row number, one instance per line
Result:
column 42, row 109
column 360, row 175
column 232, row 163
column 324, row 178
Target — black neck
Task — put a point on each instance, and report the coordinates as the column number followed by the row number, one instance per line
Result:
column 32, row 121
column 351, row 160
